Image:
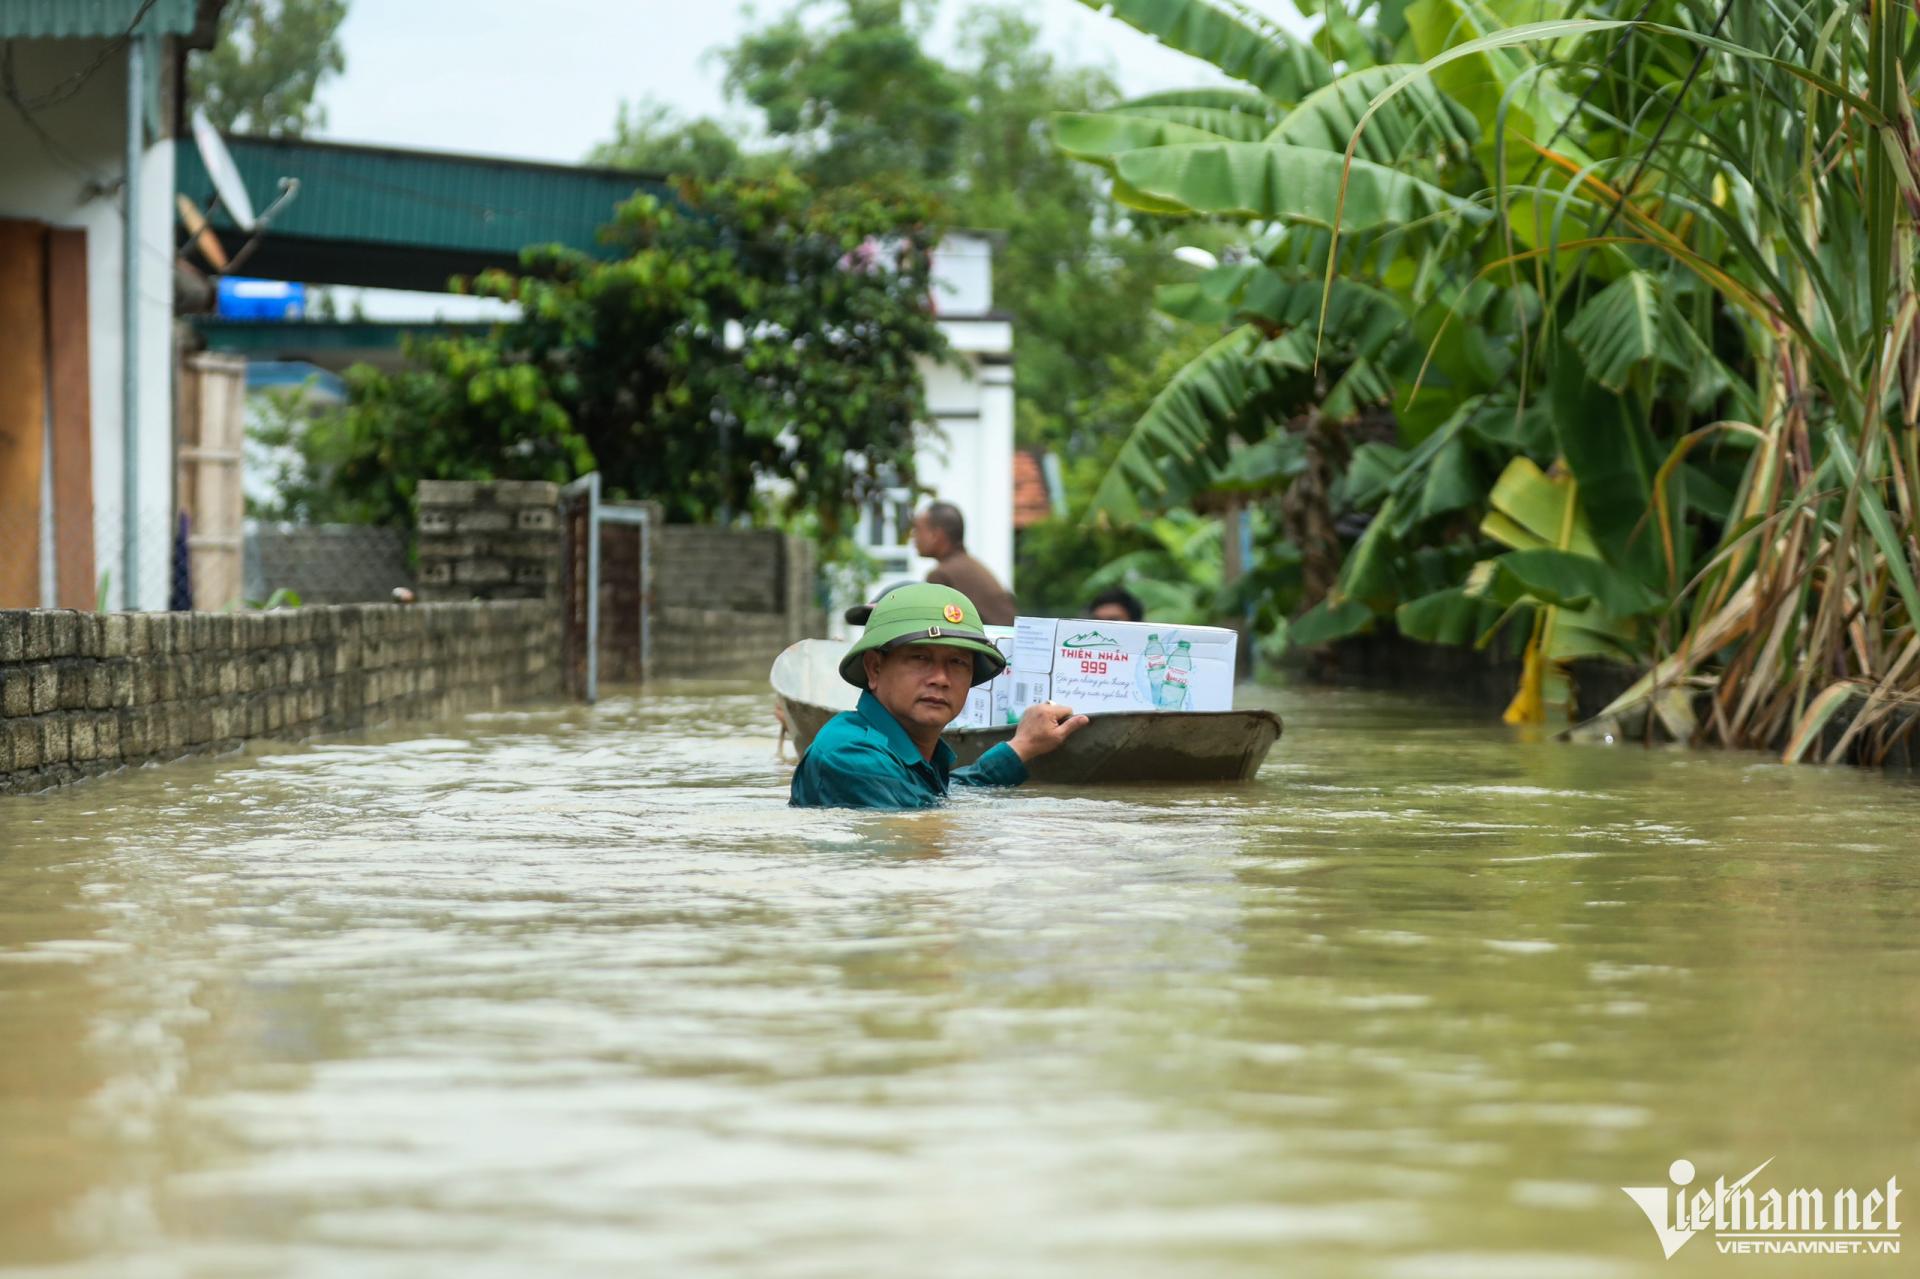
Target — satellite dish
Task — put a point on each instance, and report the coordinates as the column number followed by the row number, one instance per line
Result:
column 221, row 168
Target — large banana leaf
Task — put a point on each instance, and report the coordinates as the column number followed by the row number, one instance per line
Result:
column 1419, row 121
column 1485, row 56
column 1528, row 510
column 1297, row 184
column 1449, row 616
column 1238, row 42
column 1609, row 446
column 1229, row 384
column 1626, row 325
column 1234, row 126
column 1551, row 576
column 1100, row 136
column 1240, row 102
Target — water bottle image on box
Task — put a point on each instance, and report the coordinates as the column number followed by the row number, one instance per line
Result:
column 1154, row 658
column 1172, row 694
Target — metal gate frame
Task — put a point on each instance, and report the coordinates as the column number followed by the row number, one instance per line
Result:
column 583, row 514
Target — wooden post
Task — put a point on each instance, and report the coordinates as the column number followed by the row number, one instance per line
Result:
column 212, row 432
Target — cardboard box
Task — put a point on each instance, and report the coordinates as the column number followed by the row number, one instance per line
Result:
column 978, row 712
column 1025, row 689
column 1130, row 666
column 987, row 705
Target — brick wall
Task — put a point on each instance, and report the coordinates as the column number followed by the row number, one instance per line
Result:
column 87, row 693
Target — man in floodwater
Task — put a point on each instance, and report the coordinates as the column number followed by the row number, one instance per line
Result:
column 922, row 650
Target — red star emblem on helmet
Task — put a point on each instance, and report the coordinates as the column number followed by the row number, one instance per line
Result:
column 955, row 613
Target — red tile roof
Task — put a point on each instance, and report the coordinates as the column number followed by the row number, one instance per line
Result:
column 1031, row 502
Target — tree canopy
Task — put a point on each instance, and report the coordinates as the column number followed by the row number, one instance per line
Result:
column 755, row 349
column 269, row 62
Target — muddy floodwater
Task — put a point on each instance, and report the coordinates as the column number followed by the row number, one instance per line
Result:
column 570, row 992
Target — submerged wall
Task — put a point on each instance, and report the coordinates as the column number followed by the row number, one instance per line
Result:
column 87, row 693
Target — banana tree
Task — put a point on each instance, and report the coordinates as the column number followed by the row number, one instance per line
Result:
column 1669, row 245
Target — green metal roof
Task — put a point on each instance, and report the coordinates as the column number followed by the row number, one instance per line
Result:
column 31, row 19
column 390, row 218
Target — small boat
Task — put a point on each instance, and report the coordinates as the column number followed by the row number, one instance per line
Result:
column 1115, row 746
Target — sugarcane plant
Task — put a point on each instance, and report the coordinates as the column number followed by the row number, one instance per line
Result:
column 1637, row 284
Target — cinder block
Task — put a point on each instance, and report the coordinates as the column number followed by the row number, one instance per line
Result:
column 99, row 686
column 445, row 493
column 150, row 681
column 13, row 635
column 119, row 681
column 436, row 574
column 139, row 634
column 482, row 571
column 434, row 521
column 26, row 743
column 39, row 641
column 16, row 691
column 482, row 521
column 63, row 631
column 115, row 631
column 526, row 493
column 44, row 695
column 56, row 739
column 133, row 734
column 175, row 728
column 89, row 634
column 106, row 736
column 80, row 741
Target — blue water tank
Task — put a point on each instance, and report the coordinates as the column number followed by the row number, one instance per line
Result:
column 245, row 299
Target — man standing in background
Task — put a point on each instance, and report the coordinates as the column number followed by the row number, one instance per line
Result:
column 940, row 533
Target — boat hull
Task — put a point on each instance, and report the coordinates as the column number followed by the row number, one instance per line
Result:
column 1122, row 746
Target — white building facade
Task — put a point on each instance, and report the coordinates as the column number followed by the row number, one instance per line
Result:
column 967, row 454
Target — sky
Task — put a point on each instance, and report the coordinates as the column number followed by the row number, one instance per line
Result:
column 544, row 81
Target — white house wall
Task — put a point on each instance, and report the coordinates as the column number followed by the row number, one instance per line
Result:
column 66, row 190
column 968, row 458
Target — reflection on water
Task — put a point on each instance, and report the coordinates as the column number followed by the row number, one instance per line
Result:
column 573, row 990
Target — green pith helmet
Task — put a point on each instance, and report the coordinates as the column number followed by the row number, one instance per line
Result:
column 923, row 614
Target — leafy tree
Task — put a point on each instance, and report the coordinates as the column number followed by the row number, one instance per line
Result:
column 650, row 138
column 756, row 349
column 859, row 98
column 1664, row 350
column 270, row 60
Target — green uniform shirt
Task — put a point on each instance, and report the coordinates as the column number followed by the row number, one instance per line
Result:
column 864, row 759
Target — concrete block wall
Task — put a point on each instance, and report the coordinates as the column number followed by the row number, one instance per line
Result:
column 492, row 540
column 83, row 694
column 735, row 570
column 726, row 601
